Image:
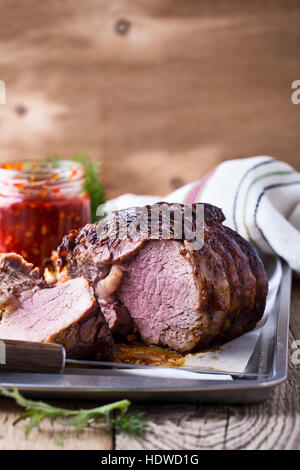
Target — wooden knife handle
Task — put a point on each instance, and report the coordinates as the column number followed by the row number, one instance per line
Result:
column 26, row 356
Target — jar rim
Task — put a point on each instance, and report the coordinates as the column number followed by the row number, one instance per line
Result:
column 41, row 179
column 39, row 172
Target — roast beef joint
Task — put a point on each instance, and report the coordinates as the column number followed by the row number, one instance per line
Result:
column 172, row 294
column 160, row 288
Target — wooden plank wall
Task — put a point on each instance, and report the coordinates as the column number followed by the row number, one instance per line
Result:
column 159, row 90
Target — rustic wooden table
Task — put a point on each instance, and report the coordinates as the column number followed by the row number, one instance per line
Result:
column 274, row 424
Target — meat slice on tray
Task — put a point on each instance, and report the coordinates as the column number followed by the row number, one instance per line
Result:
column 174, row 295
column 67, row 314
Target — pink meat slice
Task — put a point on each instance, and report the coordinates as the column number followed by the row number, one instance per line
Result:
column 67, row 314
column 163, row 296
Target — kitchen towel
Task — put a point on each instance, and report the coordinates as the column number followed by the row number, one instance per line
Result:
column 260, row 198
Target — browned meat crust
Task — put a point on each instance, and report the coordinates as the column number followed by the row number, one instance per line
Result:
column 16, row 277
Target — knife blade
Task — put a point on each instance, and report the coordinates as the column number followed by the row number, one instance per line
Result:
column 25, row 356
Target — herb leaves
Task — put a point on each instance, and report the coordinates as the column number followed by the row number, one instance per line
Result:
column 92, row 184
column 121, row 421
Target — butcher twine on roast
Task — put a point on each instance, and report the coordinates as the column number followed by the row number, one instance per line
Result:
column 174, row 295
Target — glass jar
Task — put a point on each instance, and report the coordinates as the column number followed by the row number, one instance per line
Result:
column 40, row 202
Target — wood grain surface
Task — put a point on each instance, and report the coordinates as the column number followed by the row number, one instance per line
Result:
column 51, row 436
column 159, row 90
column 273, row 424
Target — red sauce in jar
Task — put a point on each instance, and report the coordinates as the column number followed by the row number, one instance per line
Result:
column 39, row 204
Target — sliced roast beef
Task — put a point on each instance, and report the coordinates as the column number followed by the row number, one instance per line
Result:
column 67, row 314
column 177, row 296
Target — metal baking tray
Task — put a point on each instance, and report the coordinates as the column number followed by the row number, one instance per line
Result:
column 271, row 353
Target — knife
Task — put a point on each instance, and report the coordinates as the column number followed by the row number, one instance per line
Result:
column 50, row 358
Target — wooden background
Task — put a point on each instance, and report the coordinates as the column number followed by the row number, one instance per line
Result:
column 159, row 90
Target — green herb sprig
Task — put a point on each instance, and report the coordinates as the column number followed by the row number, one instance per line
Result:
column 36, row 411
column 92, row 184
